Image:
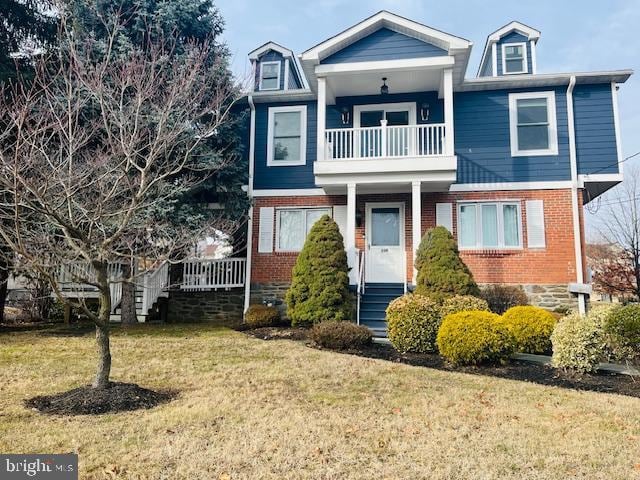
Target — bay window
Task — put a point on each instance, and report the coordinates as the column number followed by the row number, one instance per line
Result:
column 489, row 225
column 294, row 224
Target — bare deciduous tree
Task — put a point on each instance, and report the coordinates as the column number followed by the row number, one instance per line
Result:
column 96, row 151
column 619, row 219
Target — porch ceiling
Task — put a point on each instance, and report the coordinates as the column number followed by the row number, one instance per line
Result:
column 368, row 83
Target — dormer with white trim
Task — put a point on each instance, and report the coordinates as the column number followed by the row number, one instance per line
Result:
column 276, row 69
column 510, row 50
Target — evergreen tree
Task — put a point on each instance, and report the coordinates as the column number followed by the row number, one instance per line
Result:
column 441, row 271
column 320, row 284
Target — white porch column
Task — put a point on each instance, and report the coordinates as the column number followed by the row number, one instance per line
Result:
column 416, row 222
column 350, row 239
column 322, row 108
column 448, row 111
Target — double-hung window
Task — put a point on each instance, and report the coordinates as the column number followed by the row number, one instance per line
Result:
column 269, row 76
column 294, row 224
column 489, row 225
column 514, row 58
column 287, row 132
column 532, row 118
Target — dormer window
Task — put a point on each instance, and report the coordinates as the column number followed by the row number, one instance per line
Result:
column 514, row 58
column 269, row 76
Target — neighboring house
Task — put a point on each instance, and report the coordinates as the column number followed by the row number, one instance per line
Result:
column 378, row 127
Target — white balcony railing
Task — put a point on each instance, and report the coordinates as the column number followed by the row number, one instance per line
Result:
column 386, row 142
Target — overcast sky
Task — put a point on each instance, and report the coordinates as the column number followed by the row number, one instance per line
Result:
column 577, row 35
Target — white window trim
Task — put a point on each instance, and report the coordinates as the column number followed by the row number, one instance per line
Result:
column 385, row 107
column 552, row 128
column 303, row 209
column 499, row 204
column 303, row 136
column 525, row 60
column 262, row 64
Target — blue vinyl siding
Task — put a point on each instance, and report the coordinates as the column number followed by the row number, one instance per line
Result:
column 595, row 129
column 283, row 177
column 514, row 37
column 294, row 82
column 270, row 56
column 483, row 144
column 385, row 44
column 487, row 67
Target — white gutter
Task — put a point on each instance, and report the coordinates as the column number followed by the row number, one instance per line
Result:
column 252, row 147
column 575, row 206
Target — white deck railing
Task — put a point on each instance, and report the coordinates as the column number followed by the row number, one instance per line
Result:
column 426, row 140
column 206, row 274
column 154, row 283
column 70, row 279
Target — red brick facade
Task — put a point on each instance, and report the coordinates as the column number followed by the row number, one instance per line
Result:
column 555, row 264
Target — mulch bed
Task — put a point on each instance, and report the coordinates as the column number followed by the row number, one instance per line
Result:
column 514, row 370
column 118, row 397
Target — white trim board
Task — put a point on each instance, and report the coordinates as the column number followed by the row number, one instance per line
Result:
column 384, row 65
column 294, row 192
column 485, row 187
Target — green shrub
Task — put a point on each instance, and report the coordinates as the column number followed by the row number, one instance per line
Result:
column 531, row 328
column 262, row 316
column 462, row 303
column 622, row 333
column 441, row 271
column 340, row 335
column 579, row 341
column 320, row 282
column 474, row 337
column 502, row 297
column 412, row 323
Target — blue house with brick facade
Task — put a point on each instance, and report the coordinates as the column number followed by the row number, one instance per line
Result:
column 380, row 127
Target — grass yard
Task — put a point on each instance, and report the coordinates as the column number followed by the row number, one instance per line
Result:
column 254, row 409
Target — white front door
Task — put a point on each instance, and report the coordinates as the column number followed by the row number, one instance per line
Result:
column 385, row 256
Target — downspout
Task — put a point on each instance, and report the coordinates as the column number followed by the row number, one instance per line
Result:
column 252, row 147
column 575, row 205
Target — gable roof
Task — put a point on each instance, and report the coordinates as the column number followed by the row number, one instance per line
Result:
column 255, row 54
column 514, row 26
column 388, row 20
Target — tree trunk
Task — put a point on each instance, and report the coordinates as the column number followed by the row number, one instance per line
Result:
column 4, row 279
column 128, row 315
column 102, row 329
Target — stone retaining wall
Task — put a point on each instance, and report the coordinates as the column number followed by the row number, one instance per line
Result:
column 551, row 296
column 223, row 306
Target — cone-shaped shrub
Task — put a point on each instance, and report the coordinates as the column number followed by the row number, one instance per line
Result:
column 320, row 283
column 441, row 271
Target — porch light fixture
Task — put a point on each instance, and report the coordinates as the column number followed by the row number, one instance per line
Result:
column 424, row 112
column 344, row 115
column 384, row 89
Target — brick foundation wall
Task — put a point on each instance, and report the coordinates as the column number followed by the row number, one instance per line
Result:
column 224, row 307
column 552, row 265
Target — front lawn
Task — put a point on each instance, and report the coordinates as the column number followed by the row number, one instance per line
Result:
column 249, row 408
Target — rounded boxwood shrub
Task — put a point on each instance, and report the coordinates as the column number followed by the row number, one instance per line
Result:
column 441, row 271
column 531, row 328
column 462, row 303
column 578, row 341
column 412, row 323
column 502, row 297
column 262, row 316
column 622, row 330
column 340, row 335
column 474, row 337
column 320, row 281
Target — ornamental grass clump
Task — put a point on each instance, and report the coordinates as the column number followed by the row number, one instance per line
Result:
column 531, row 328
column 502, row 297
column 474, row 337
column 320, row 281
column 340, row 335
column 441, row 271
column 412, row 323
